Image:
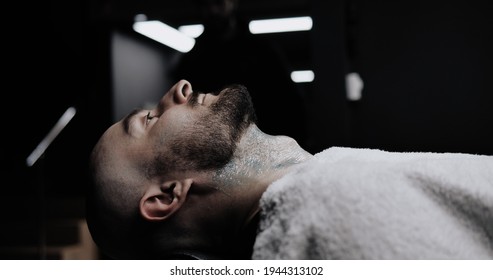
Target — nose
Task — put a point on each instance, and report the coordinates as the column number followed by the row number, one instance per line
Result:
column 178, row 94
column 181, row 91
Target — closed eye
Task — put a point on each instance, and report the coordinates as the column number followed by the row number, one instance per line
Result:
column 149, row 117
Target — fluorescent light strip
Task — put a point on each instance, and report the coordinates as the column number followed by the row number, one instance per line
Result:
column 192, row 30
column 165, row 34
column 302, row 76
column 43, row 145
column 280, row 25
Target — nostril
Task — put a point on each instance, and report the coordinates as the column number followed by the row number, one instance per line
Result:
column 186, row 89
column 181, row 91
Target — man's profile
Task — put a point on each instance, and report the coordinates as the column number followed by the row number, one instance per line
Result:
column 195, row 176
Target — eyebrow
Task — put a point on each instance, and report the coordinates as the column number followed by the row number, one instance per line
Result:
column 128, row 118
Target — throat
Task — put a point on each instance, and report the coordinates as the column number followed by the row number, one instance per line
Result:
column 260, row 159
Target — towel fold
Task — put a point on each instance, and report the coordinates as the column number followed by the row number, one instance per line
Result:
column 350, row 203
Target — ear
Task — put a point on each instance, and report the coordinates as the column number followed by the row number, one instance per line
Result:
column 161, row 201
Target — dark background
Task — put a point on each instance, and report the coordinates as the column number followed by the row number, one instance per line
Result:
column 427, row 66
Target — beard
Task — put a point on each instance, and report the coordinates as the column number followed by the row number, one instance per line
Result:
column 210, row 143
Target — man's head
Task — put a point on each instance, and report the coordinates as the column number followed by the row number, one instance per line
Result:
column 144, row 168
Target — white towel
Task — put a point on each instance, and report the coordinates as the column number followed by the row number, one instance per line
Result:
column 369, row 204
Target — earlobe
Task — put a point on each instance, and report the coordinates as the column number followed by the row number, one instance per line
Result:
column 159, row 202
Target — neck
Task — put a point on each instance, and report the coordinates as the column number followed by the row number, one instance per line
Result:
column 260, row 159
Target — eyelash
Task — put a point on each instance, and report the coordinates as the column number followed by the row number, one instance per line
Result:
column 148, row 117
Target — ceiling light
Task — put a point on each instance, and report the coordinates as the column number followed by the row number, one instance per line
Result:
column 192, row 30
column 43, row 145
column 302, row 76
column 165, row 34
column 280, row 25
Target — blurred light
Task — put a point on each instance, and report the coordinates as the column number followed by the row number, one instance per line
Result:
column 43, row 145
column 165, row 34
column 192, row 30
column 280, row 25
column 304, row 76
column 140, row 17
column 354, row 86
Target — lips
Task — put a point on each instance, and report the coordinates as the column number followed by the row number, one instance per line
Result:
column 202, row 98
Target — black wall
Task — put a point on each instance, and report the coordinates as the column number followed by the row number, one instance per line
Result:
column 427, row 68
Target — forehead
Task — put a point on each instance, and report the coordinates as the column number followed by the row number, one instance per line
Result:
column 112, row 141
column 112, row 153
column 116, row 171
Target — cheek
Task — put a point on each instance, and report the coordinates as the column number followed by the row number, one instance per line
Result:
column 172, row 123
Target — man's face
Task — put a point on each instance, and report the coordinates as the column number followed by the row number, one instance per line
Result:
column 186, row 132
column 211, row 140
